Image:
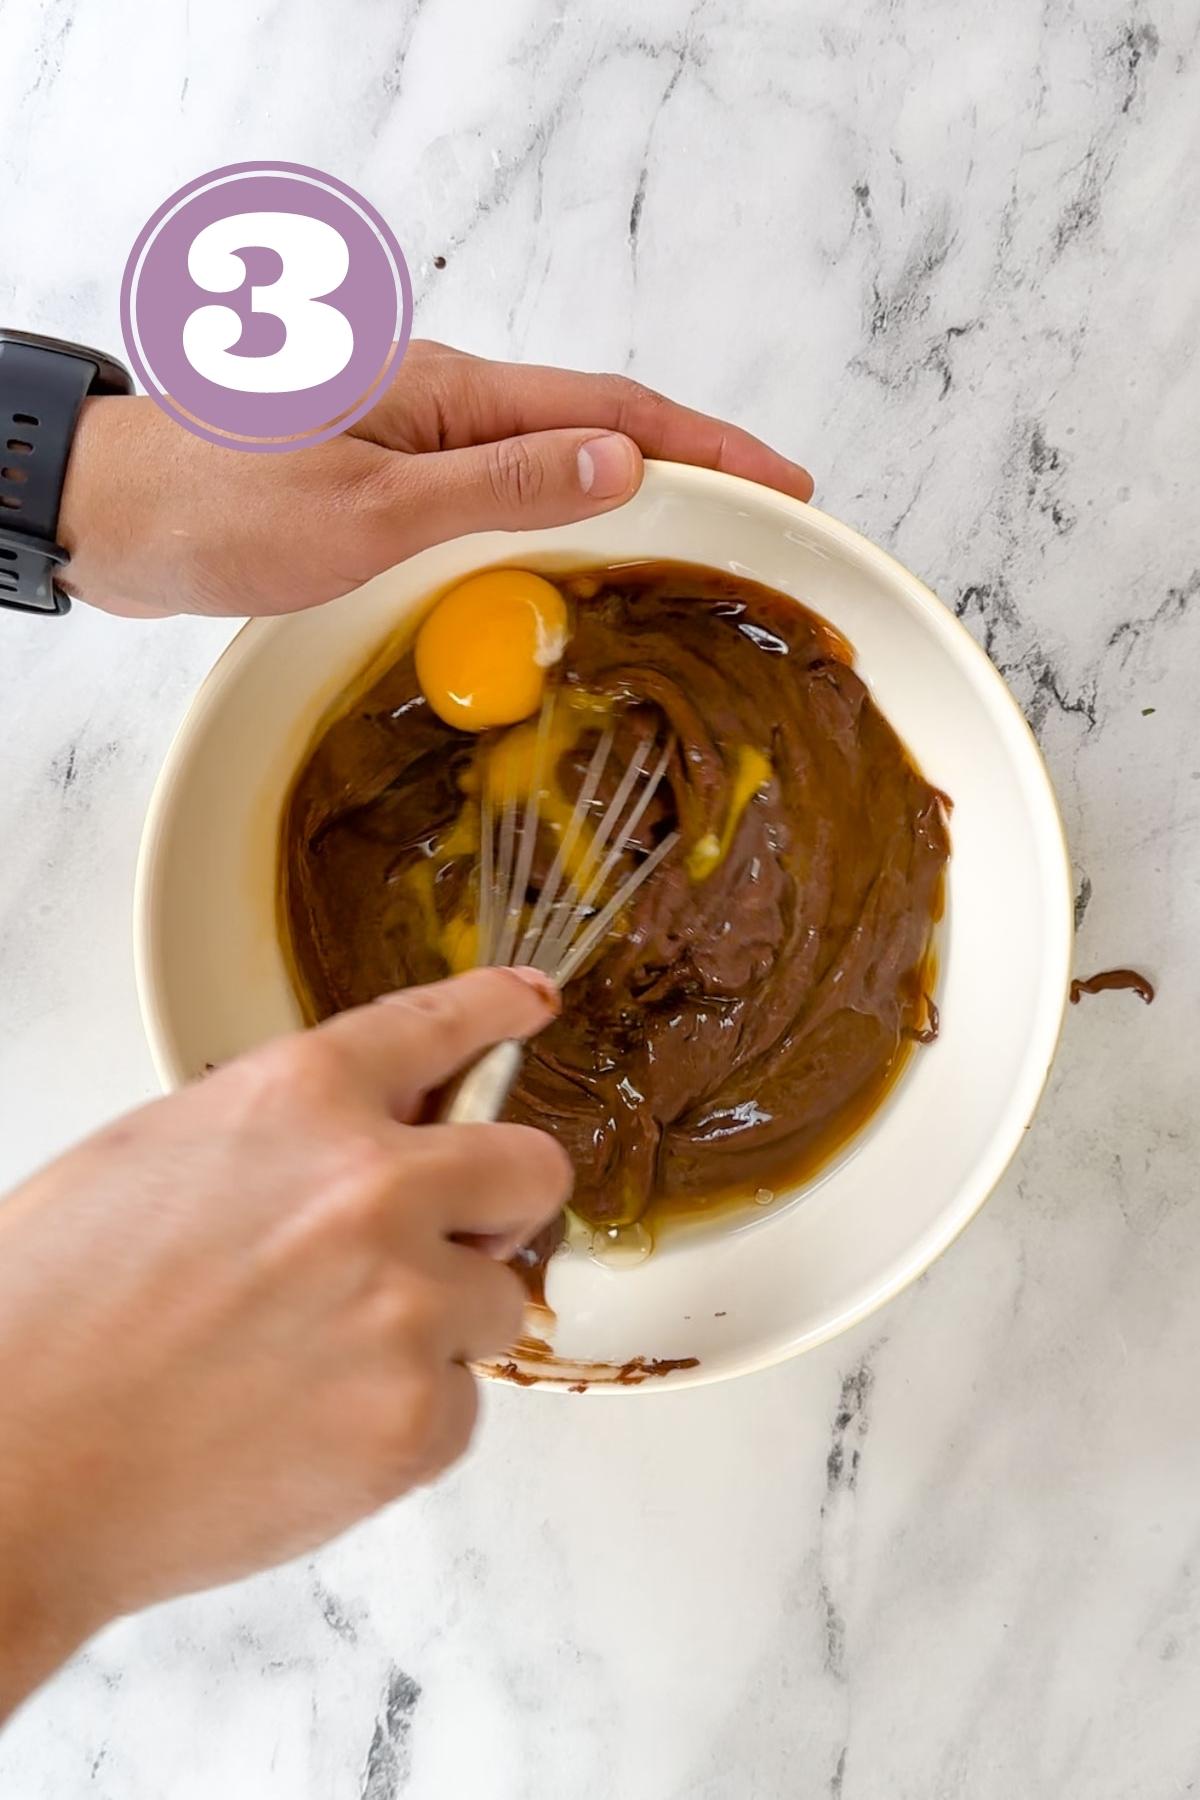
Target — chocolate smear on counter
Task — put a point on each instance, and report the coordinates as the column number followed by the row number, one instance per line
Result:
column 1109, row 979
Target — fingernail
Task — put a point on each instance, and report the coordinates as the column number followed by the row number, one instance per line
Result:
column 542, row 985
column 500, row 1247
column 606, row 467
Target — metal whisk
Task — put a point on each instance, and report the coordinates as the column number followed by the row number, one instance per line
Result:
column 577, row 904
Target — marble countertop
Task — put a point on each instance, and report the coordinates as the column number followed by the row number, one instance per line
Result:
column 948, row 257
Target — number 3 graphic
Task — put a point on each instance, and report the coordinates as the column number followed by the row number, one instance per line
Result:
column 319, row 339
column 264, row 305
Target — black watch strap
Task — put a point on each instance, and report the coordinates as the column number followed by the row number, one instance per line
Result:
column 43, row 384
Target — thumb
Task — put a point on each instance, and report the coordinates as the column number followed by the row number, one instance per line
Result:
column 522, row 483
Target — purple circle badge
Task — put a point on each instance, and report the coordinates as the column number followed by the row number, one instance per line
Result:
column 265, row 305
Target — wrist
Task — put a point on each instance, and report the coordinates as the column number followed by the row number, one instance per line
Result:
column 108, row 518
column 83, row 519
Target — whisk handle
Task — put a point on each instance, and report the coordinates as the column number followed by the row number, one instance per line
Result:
column 479, row 1094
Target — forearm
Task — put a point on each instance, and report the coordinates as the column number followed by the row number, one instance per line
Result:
column 50, row 1485
column 41, row 1622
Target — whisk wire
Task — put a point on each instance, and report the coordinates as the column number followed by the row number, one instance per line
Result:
column 605, row 918
column 595, row 872
column 487, row 898
column 502, row 875
column 571, row 914
column 585, row 883
column 524, row 859
column 566, row 849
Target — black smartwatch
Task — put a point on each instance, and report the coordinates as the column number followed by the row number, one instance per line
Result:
column 43, row 384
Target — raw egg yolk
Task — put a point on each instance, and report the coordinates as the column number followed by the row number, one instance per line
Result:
column 483, row 652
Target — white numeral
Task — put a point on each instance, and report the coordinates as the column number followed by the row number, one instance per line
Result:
column 319, row 339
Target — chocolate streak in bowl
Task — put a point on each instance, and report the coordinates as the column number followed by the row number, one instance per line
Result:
column 773, row 973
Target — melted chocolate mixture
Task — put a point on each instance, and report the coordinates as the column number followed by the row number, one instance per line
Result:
column 773, row 971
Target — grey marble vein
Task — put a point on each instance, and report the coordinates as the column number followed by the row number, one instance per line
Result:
column 389, row 1759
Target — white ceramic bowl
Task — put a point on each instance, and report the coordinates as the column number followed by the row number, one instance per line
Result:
column 747, row 1291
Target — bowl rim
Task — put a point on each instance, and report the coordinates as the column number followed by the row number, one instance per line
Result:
column 1009, row 1133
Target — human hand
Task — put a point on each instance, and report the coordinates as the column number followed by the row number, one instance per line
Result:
column 158, row 521
column 236, row 1321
